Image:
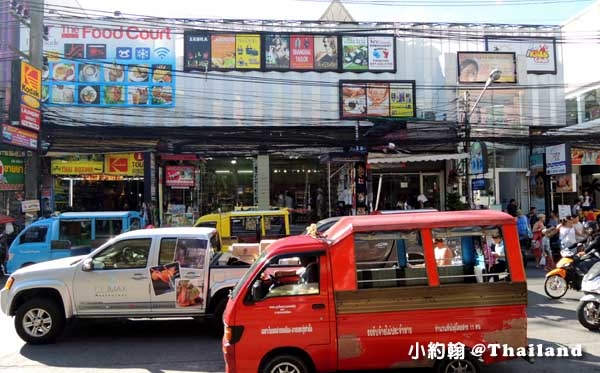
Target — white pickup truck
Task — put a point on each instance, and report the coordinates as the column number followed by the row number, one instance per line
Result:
column 148, row 273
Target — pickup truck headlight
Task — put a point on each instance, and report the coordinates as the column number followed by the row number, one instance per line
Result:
column 9, row 283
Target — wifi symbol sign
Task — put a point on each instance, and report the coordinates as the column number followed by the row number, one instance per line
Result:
column 162, row 52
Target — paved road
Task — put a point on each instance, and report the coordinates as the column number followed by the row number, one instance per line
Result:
column 187, row 346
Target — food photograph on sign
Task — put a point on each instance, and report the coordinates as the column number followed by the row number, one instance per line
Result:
column 302, row 52
column 355, row 53
column 222, row 51
column 475, row 67
column 247, row 51
column 277, row 51
column 100, row 63
column 354, row 100
column 326, row 52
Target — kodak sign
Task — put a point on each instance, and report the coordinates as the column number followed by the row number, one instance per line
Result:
column 125, row 164
column 31, row 80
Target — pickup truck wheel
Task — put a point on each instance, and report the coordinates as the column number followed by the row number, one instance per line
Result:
column 218, row 326
column 39, row 321
column 285, row 364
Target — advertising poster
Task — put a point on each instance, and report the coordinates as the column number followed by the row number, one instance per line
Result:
column 326, row 52
column 361, row 188
column 475, row 67
column 164, row 278
column 124, row 164
column 556, row 160
column 369, row 98
column 12, row 173
column 537, row 188
column 355, row 53
column 381, row 53
column 302, row 52
column 189, row 293
column 81, row 167
column 354, row 101
column 247, row 51
column 585, row 157
column 180, row 176
column 500, row 107
column 566, row 183
column 107, row 65
column 190, row 252
column 19, row 137
column 478, row 158
column 277, row 51
column 540, row 53
column 196, row 51
column 378, row 100
column 401, row 100
column 222, row 51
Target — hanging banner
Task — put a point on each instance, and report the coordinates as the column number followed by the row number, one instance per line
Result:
column 326, row 52
column 180, row 176
column 557, row 162
column 62, row 167
column 381, row 53
column 277, row 51
column 580, row 157
column 302, row 52
column 222, row 51
column 196, row 51
column 12, row 173
column 355, row 53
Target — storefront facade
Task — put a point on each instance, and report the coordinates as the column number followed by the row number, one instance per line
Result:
column 277, row 118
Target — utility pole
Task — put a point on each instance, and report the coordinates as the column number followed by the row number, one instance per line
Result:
column 36, row 46
column 467, row 125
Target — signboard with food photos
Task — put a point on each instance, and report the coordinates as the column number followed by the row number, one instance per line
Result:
column 109, row 64
column 360, row 99
column 205, row 50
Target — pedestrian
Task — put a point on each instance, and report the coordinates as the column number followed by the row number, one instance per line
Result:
column 525, row 234
column 532, row 216
column 536, row 240
column 588, row 201
column 512, row 208
column 547, row 254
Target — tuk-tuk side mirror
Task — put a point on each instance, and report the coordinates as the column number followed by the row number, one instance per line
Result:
column 88, row 265
column 256, row 292
column 60, row 244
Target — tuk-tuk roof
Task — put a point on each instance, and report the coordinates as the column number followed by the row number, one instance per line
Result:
column 96, row 214
column 384, row 222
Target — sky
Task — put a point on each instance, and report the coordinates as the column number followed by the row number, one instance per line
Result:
column 461, row 11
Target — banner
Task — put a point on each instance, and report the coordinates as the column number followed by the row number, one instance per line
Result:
column 381, row 53
column 277, row 51
column 556, row 160
column 355, row 53
column 196, row 51
column 180, row 176
column 12, row 173
column 540, row 53
column 31, row 80
column 247, row 47
column 360, row 99
column 61, row 167
column 106, row 63
column 580, row 157
column 326, row 52
column 222, row 51
column 19, row 137
column 478, row 158
column 536, row 180
column 475, row 67
column 302, row 52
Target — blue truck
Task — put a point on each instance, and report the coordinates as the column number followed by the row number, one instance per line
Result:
column 68, row 234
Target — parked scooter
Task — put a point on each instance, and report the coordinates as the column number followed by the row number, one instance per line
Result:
column 588, row 310
column 571, row 268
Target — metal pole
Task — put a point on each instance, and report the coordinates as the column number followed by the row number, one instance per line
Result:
column 378, row 192
column 36, row 41
column 467, row 126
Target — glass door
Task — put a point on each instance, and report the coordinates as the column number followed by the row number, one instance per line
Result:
column 432, row 189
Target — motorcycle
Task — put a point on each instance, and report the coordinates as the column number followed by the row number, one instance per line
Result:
column 588, row 310
column 571, row 268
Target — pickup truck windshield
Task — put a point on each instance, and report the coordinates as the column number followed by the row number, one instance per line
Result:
column 243, row 280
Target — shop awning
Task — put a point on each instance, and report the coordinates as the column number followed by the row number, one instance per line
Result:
column 381, row 158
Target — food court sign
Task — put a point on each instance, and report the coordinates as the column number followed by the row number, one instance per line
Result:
column 109, row 64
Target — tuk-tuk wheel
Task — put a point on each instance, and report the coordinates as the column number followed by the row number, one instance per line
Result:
column 467, row 365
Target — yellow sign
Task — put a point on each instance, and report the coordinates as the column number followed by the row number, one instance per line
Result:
column 31, row 80
column 60, row 167
column 247, row 51
column 125, row 164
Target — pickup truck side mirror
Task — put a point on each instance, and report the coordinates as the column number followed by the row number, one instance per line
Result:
column 88, row 265
column 60, row 244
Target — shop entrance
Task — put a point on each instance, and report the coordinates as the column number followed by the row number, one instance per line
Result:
column 402, row 191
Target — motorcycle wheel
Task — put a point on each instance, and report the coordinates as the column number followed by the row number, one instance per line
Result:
column 555, row 286
column 588, row 314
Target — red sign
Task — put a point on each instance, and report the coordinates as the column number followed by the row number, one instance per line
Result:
column 301, row 52
column 30, row 118
column 180, row 176
column 118, row 164
column 19, row 137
